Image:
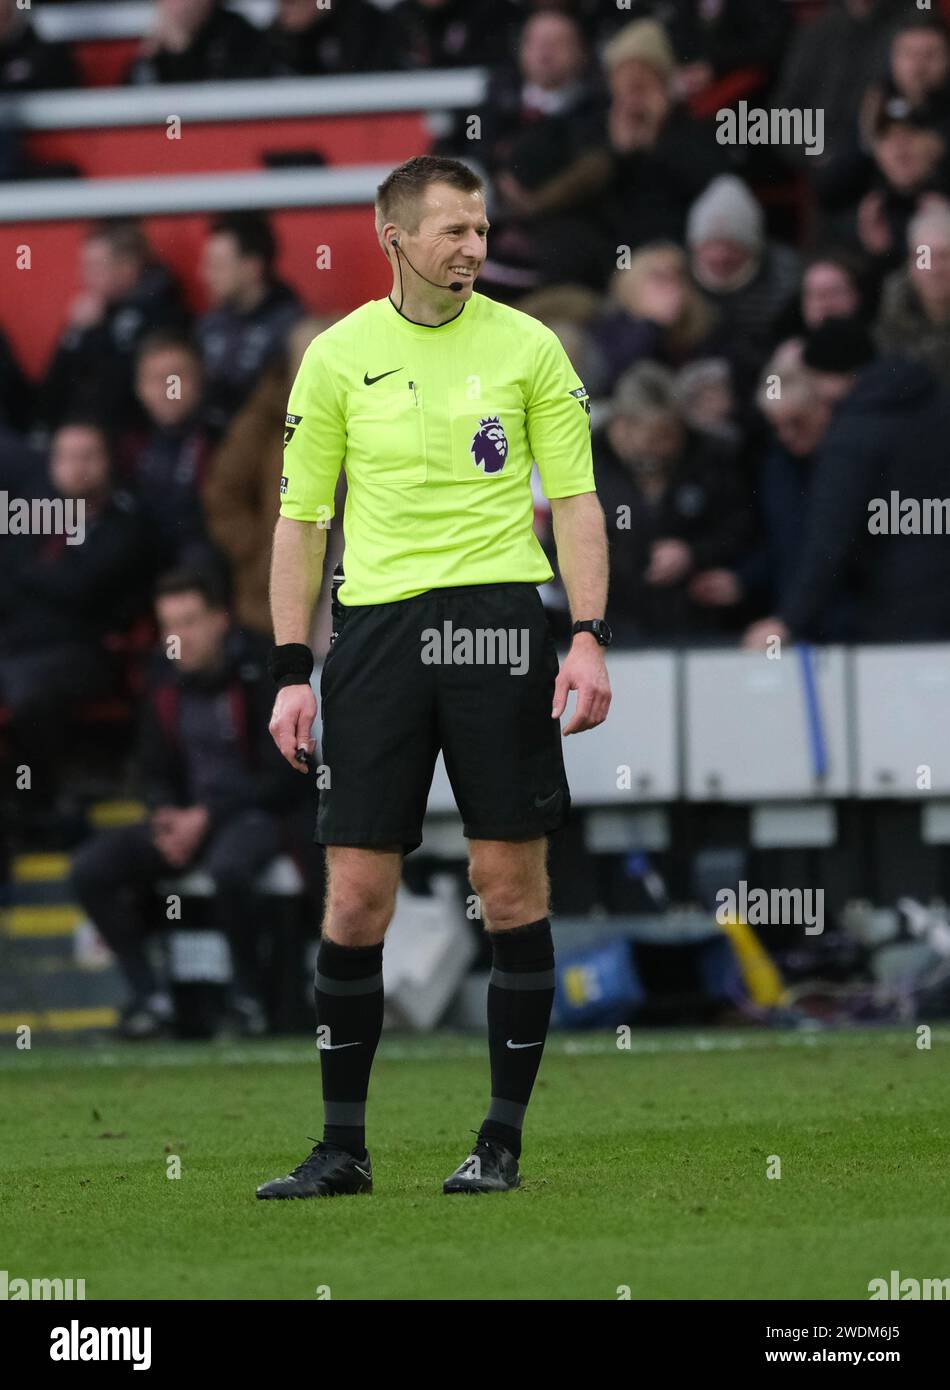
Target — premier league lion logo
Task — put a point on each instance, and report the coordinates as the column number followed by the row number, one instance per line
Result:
column 490, row 445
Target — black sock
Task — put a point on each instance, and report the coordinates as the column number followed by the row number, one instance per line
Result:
column 348, row 992
column 520, row 995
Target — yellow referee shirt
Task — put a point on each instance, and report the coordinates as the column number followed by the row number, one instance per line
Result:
column 437, row 429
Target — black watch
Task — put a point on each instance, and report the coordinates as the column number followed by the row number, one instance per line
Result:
column 599, row 627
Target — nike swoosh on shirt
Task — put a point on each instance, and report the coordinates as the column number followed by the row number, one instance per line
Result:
column 370, row 380
column 335, row 1047
column 514, row 1046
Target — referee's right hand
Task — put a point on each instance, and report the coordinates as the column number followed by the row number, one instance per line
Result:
column 295, row 709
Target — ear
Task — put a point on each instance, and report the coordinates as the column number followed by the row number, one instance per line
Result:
column 386, row 234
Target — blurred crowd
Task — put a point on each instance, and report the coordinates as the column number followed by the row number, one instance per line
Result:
column 764, row 329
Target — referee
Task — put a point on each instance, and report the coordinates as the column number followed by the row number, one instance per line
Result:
column 436, row 401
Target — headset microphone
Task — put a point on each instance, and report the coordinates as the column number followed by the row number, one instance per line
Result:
column 455, row 286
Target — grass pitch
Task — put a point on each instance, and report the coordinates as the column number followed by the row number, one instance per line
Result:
column 644, row 1168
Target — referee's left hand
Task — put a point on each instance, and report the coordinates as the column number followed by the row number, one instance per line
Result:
column 584, row 670
column 295, row 709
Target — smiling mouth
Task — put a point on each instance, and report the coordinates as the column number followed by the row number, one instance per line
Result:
column 462, row 270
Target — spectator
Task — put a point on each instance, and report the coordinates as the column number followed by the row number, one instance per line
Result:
column 714, row 38
column 911, row 163
column 916, row 83
column 125, row 293
column 914, row 320
column 539, row 116
column 798, row 423
column 251, row 312
column 60, row 596
column 242, row 490
column 748, row 279
column 816, row 76
column 308, row 41
column 918, row 74
column 648, row 161
column 216, row 788
column 674, row 510
column 453, row 33
column 704, row 393
column 660, row 159
column 831, row 288
column 166, row 462
column 539, row 111
column 655, row 311
column 887, row 436
column 27, row 62
column 198, row 41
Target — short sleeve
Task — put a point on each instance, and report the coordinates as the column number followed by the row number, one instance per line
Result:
column 558, row 422
column 314, row 442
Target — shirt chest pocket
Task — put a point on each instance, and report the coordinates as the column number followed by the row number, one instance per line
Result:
column 386, row 441
column 487, row 434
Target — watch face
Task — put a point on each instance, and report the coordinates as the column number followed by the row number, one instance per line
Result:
column 603, row 633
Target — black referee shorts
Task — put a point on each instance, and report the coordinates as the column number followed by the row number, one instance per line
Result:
column 467, row 670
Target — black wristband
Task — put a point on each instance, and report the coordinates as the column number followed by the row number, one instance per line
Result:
column 290, row 664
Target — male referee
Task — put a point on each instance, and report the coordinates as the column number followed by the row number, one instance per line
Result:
column 435, row 400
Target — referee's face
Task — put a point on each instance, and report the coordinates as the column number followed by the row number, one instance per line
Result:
column 451, row 242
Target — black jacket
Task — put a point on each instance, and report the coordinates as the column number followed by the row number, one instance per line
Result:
column 888, row 435
column 237, row 348
column 249, row 698
column 93, row 368
column 350, row 37
column 703, row 505
column 227, row 46
column 52, row 592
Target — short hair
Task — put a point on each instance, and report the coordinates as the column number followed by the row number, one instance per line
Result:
column 399, row 195
column 922, row 19
column 124, row 237
column 192, row 581
column 252, row 232
column 166, row 340
column 646, row 389
column 80, row 419
column 849, row 262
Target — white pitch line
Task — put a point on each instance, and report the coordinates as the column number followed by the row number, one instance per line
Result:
column 58, row 1057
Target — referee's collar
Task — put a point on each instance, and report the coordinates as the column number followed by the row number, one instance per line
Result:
column 428, row 330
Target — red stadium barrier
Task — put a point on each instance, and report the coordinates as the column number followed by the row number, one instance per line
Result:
column 221, row 147
column 34, row 301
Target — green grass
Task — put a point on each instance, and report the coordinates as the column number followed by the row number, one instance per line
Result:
column 645, row 1168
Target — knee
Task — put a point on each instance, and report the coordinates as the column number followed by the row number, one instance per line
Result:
column 507, row 901
column 357, row 914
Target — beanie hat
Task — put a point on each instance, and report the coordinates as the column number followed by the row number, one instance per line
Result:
column 643, row 41
column 726, row 211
